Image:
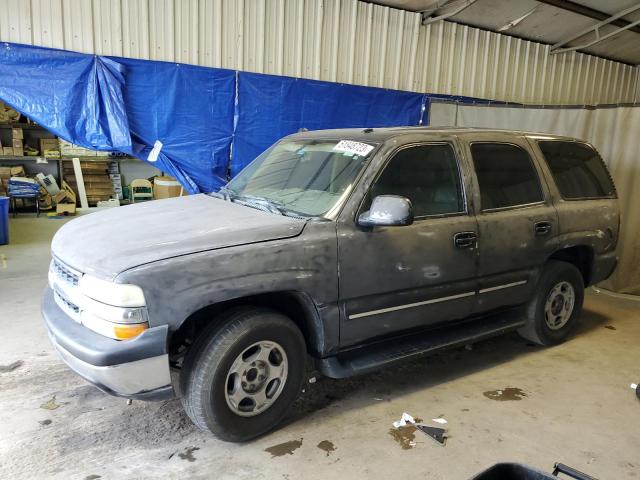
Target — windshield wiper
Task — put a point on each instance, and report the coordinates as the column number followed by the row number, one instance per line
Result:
column 272, row 206
column 227, row 193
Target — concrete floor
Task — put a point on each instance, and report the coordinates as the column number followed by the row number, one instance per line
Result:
column 576, row 406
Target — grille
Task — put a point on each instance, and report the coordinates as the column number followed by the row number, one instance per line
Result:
column 65, row 273
column 67, row 304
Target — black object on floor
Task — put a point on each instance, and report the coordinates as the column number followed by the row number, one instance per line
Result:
column 517, row 471
column 438, row 434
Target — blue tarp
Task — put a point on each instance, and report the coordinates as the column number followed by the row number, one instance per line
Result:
column 112, row 103
column 78, row 97
column 190, row 110
column 270, row 107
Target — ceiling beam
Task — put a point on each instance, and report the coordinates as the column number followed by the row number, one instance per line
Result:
column 588, row 12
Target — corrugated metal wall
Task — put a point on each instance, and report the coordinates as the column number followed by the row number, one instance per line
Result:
column 337, row 40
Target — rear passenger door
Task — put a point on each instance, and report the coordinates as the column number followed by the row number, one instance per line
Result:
column 517, row 223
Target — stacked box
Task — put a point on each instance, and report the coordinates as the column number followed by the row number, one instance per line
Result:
column 68, row 149
column 6, row 173
column 97, row 183
column 17, row 139
column 116, row 178
column 50, row 147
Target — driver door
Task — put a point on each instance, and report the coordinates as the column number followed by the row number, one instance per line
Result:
column 398, row 278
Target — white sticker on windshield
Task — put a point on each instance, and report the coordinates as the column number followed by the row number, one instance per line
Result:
column 355, row 148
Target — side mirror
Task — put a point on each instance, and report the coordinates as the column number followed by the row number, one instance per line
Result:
column 387, row 211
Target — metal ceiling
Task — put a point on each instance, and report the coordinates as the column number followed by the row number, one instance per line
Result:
column 545, row 21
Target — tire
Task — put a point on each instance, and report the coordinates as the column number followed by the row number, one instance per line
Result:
column 550, row 324
column 251, row 345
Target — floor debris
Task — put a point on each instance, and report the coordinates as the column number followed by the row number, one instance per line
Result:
column 634, row 386
column 11, row 367
column 50, row 404
column 438, row 434
column 439, row 420
column 406, row 418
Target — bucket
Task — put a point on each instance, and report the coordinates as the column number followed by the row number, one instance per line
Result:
column 4, row 220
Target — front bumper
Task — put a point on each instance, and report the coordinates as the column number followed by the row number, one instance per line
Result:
column 137, row 368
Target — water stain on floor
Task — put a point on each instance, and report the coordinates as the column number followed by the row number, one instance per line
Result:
column 286, row 448
column 327, row 446
column 506, row 394
column 11, row 367
column 46, row 422
column 404, row 436
column 610, row 327
column 188, row 454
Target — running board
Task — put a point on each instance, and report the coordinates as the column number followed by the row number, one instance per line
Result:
column 381, row 354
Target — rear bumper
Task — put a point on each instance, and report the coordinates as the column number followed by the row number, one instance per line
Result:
column 137, row 368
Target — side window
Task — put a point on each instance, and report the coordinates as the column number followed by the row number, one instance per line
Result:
column 577, row 169
column 427, row 175
column 506, row 175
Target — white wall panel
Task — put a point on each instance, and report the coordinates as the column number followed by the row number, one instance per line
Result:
column 337, row 40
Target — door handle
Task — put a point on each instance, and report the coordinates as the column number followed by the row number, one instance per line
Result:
column 541, row 228
column 464, row 240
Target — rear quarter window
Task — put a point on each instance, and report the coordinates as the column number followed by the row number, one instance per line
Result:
column 577, row 169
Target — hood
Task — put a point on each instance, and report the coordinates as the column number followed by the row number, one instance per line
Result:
column 109, row 242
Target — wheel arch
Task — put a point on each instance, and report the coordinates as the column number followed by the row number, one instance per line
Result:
column 297, row 306
column 580, row 256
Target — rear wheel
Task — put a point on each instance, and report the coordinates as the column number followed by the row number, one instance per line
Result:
column 553, row 313
column 239, row 379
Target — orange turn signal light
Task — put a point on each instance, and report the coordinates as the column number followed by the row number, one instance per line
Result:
column 124, row 331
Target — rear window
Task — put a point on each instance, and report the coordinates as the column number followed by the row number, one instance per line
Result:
column 506, row 175
column 577, row 169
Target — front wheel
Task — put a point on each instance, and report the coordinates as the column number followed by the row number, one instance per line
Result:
column 240, row 379
column 553, row 312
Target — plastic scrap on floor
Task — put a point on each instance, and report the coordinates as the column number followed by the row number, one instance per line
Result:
column 634, row 386
column 406, row 418
column 437, row 434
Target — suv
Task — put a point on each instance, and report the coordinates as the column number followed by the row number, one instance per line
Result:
column 353, row 248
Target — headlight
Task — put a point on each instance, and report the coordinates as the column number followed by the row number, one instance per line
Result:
column 117, row 294
column 114, row 310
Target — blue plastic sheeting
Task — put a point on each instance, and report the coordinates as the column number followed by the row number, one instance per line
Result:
column 111, row 103
column 270, row 107
column 190, row 110
column 78, row 97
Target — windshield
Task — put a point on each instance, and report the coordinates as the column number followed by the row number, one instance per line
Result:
column 306, row 177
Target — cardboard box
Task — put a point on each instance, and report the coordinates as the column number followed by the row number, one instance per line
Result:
column 5, row 172
column 18, row 152
column 50, row 147
column 66, row 194
column 18, row 171
column 68, row 149
column 66, row 209
column 16, row 143
column 17, row 133
column 8, row 151
column 166, row 187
